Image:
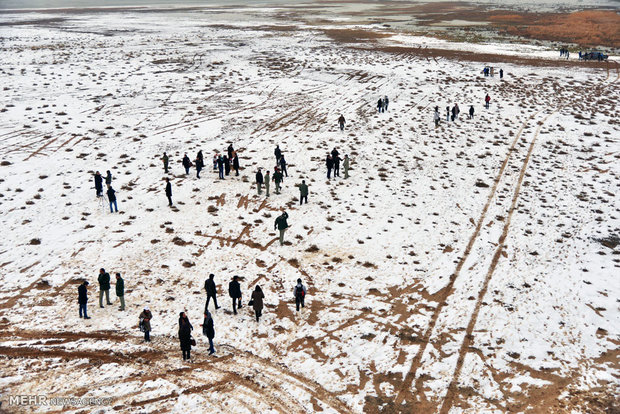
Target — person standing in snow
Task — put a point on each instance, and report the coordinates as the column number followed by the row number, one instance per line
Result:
column 200, row 157
column 278, row 154
column 120, row 291
column 186, row 164
column 112, row 199
column 386, row 102
column 220, row 166
column 380, row 105
column 185, row 336
column 341, row 122
column 234, row 291
column 277, row 177
column 199, row 165
column 283, row 166
column 235, row 162
column 267, row 183
column 83, row 299
column 300, row 294
column 501, row 73
column 209, row 331
column 447, row 114
column 104, row 287
column 211, row 290
column 281, row 224
column 108, row 178
column 226, row 161
column 98, row 184
column 436, row 116
column 215, row 158
column 345, row 164
column 145, row 323
column 456, row 111
column 169, row 191
column 303, row 192
column 165, row 160
column 487, row 99
column 336, row 159
column 259, row 181
column 230, row 151
column 329, row 163
column 257, row 302
column 471, row 112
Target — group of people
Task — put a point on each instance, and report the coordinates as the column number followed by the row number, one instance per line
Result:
column 185, row 327
column 487, row 71
column 111, row 193
column 453, row 113
column 332, row 162
column 564, row 52
column 382, row 104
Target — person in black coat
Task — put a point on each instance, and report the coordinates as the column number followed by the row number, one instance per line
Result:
column 230, row 151
column 108, row 178
column 259, row 181
column 283, row 165
column 186, row 164
column 471, row 112
column 199, row 166
column 83, row 299
column 98, row 184
column 211, row 290
column 169, row 191
column 336, row 160
column 226, row 161
column 112, row 199
column 329, row 162
column 277, row 153
column 220, row 167
column 209, row 331
column 234, row 291
column 185, row 335
column 236, row 163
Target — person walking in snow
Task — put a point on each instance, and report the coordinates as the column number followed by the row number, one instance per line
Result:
column 329, row 163
column 386, row 102
column 200, row 157
column 277, row 178
column 198, row 164
column 165, row 159
column 83, row 299
column 108, row 178
column 300, row 294
column 471, row 112
column 112, row 199
column 283, row 166
column 436, row 116
column 257, row 302
column 501, row 73
column 259, row 181
column 345, row 164
column 267, row 183
column 120, row 291
column 380, row 105
column 341, row 122
column 220, row 166
column 487, row 99
column 215, row 158
column 336, row 159
column 169, row 191
column 235, row 163
column 234, row 291
column 186, row 164
column 456, row 111
column 278, row 154
column 303, row 192
column 98, row 184
column 230, row 151
column 281, row 224
column 447, row 114
column 185, row 336
column 104, row 287
column 209, row 331
column 145, row 323
column 211, row 290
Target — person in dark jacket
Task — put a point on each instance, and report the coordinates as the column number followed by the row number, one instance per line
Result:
column 226, row 161
column 108, row 178
column 277, row 153
column 112, row 199
column 230, row 151
column 329, row 162
column 300, row 294
column 386, row 102
column 220, row 166
column 487, row 99
column 336, row 159
column 277, row 177
column 186, row 164
column 104, row 287
column 199, row 166
column 303, row 192
column 83, row 299
column 211, row 290
column 259, row 181
column 281, row 224
column 200, row 157
column 341, row 122
column 209, row 331
column 234, row 291
column 257, row 302
column 380, row 105
column 471, row 112
column 501, row 73
column 235, row 162
column 145, row 323
column 185, row 336
column 98, row 184
column 283, row 165
column 447, row 114
column 120, row 291
column 169, row 191
column 165, row 160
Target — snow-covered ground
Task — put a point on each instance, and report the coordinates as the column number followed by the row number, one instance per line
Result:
column 467, row 268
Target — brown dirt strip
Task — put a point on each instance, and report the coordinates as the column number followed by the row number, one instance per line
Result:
column 97, row 356
column 415, row 363
column 467, row 342
column 38, row 151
